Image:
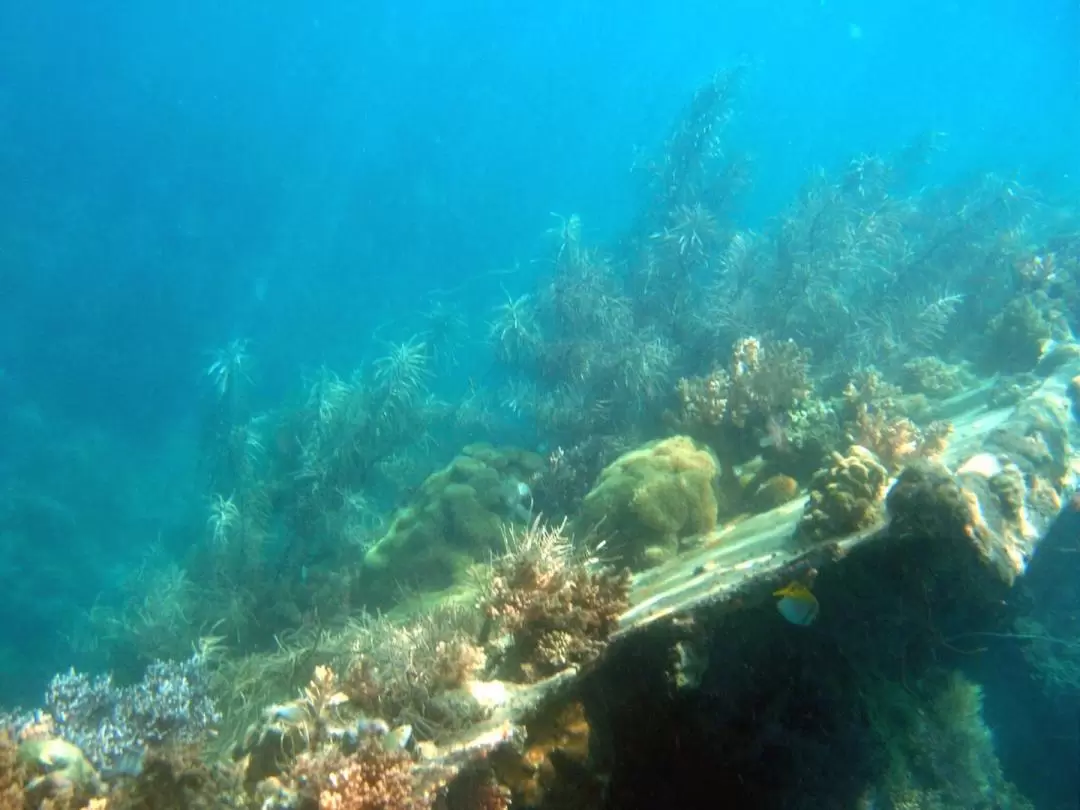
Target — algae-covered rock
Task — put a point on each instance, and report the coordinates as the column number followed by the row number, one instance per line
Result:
column 456, row 519
column 648, row 501
column 57, row 766
column 1019, row 333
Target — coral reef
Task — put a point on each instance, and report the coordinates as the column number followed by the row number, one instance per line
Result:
column 874, row 419
column 762, row 382
column 937, row 379
column 370, row 779
column 651, row 500
column 178, row 778
column 115, row 725
column 1019, row 333
column 12, row 775
column 456, row 519
column 546, row 609
column 845, row 497
column 508, row 663
column 927, row 500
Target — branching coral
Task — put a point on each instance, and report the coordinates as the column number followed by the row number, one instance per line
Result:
column 873, row 420
column 861, row 268
column 417, row 671
column 935, row 378
column 229, row 369
column 761, row 380
column 691, row 233
column 110, row 724
column 560, row 486
column 940, row 751
column 156, row 619
column 748, row 405
column 1019, row 333
column 404, row 370
column 372, row 778
column 547, row 609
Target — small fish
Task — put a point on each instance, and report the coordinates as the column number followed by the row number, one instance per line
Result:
column 797, row 604
column 775, row 435
column 397, row 738
column 291, row 713
column 372, row 725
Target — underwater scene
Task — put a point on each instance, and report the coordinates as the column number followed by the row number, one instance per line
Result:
column 337, row 472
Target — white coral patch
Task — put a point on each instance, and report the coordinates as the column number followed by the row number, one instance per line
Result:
column 983, row 464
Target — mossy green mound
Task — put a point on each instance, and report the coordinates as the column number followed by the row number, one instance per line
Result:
column 650, row 500
column 456, row 519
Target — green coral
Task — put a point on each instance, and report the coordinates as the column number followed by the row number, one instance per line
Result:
column 455, row 520
column 650, row 500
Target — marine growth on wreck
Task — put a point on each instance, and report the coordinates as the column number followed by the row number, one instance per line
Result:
column 785, row 517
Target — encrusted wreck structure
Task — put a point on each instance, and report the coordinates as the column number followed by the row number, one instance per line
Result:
column 706, row 691
column 579, row 686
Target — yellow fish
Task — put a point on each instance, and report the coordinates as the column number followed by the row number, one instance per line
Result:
column 797, row 604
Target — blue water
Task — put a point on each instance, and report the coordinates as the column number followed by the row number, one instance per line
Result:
column 310, row 177
column 344, row 158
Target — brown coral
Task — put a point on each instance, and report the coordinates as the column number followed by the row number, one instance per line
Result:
column 845, row 497
column 649, row 501
column 874, row 420
column 935, row 378
column 374, row 779
column 761, row 380
column 402, row 670
column 477, row 789
column 178, row 779
column 547, row 608
column 455, row 519
column 553, row 759
column 12, row 775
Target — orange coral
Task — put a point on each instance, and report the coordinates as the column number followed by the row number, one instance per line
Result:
column 371, row 779
column 477, row 789
column 874, row 422
column 561, row 735
column 456, row 662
